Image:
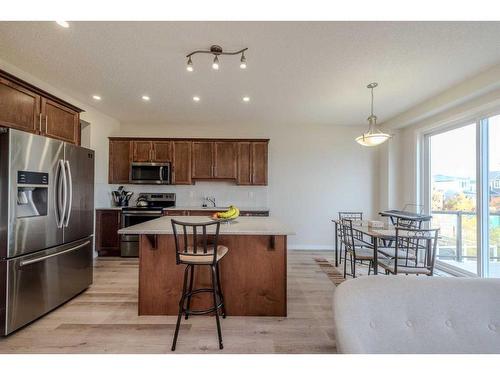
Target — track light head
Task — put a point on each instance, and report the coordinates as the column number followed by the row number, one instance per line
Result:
column 189, row 66
column 243, row 61
column 215, row 64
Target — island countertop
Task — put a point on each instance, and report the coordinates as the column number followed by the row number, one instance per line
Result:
column 250, row 226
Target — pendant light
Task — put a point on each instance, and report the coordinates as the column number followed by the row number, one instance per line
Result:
column 374, row 136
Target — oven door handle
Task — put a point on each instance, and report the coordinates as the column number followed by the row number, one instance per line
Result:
column 142, row 213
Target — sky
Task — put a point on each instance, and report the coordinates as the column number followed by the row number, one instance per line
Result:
column 454, row 152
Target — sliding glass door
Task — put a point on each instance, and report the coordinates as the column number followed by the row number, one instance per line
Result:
column 462, row 192
column 453, row 196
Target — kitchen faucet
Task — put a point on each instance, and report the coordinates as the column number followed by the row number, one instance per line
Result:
column 211, row 200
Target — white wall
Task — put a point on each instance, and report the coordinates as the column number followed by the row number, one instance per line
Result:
column 314, row 172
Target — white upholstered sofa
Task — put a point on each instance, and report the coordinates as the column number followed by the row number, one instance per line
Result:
column 417, row 314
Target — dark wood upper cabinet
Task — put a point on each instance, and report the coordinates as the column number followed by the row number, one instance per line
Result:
column 142, row 151
column 259, row 163
column 19, row 107
column 243, row 161
column 152, row 151
column 244, row 176
column 60, row 122
column 252, row 163
column 225, row 160
column 28, row 108
column 181, row 163
column 119, row 161
column 203, row 163
column 162, row 151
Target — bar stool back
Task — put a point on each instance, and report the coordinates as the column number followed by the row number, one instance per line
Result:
column 193, row 248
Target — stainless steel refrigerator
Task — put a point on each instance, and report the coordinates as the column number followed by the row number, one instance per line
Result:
column 46, row 225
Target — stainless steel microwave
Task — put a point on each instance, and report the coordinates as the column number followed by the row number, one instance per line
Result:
column 150, row 173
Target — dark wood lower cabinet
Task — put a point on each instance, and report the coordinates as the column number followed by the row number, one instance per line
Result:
column 107, row 239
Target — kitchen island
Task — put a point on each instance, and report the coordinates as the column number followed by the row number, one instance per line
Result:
column 253, row 273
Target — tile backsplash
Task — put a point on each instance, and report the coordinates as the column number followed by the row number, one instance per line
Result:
column 225, row 193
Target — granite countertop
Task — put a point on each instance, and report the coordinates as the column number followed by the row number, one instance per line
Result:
column 241, row 226
column 197, row 208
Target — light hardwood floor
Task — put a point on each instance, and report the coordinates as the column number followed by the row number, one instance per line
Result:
column 104, row 319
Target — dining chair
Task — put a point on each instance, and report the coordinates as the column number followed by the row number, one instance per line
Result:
column 354, row 216
column 421, row 244
column 352, row 246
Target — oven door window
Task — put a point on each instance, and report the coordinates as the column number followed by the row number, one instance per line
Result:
column 145, row 173
column 129, row 220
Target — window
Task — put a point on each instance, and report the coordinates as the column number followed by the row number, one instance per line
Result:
column 462, row 191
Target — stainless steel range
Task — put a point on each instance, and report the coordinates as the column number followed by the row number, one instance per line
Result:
column 46, row 225
column 149, row 206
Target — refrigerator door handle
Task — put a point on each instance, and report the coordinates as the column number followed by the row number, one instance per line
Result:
column 36, row 260
column 70, row 189
column 62, row 195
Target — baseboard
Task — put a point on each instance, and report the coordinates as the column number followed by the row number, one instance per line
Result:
column 310, row 247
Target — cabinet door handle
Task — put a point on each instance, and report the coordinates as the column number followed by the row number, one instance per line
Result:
column 40, row 123
column 46, row 121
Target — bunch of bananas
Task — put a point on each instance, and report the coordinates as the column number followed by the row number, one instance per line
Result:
column 232, row 213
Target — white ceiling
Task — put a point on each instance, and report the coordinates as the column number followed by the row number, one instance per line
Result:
column 298, row 72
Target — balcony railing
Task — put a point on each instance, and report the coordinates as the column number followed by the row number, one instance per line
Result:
column 458, row 242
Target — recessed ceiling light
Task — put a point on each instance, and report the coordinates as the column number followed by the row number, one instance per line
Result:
column 146, row 98
column 196, row 98
column 96, row 97
column 64, row 24
column 246, row 98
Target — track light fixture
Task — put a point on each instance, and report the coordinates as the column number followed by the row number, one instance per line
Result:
column 217, row 51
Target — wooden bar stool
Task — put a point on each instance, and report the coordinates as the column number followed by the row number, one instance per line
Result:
column 193, row 249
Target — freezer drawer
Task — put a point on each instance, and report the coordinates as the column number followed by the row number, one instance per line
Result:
column 39, row 282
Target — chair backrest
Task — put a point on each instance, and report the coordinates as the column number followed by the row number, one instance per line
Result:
column 422, row 243
column 347, row 236
column 353, row 215
column 408, row 223
column 193, row 239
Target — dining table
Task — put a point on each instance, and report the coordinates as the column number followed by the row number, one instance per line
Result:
column 370, row 235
